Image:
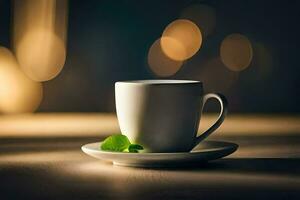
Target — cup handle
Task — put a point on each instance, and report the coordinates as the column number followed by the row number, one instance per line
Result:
column 223, row 103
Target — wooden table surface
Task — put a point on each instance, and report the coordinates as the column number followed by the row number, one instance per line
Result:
column 40, row 158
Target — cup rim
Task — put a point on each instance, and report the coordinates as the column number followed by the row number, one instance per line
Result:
column 160, row 82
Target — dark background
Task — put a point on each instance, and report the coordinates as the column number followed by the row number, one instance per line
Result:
column 109, row 41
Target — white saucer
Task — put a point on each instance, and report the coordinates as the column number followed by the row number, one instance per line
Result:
column 205, row 151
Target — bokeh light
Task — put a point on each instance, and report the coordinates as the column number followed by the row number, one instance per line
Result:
column 41, row 55
column 215, row 76
column 186, row 39
column 159, row 63
column 236, row 52
column 261, row 66
column 202, row 15
column 39, row 37
column 18, row 94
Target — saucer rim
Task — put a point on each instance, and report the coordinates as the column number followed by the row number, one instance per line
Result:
column 227, row 145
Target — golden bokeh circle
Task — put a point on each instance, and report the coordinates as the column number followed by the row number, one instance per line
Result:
column 236, row 52
column 159, row 63
column 215, row 76
column 202, row 15
column 41, row 54
column 18, row 93
column 262, row 63
column 186, row 39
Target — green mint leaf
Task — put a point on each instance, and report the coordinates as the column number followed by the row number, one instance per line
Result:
column 135, row 146
column 115, row 143
column 120, row 143
column 133, row 151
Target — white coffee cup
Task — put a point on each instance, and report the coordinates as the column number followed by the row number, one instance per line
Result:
column 164, row 115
